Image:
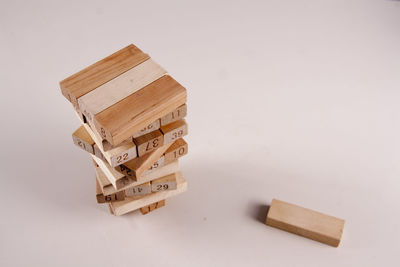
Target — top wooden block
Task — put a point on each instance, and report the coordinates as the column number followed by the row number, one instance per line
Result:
column 305, row 222
column 101, row 72
column 125, row 118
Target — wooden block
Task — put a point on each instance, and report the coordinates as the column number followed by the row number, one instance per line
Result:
column 137, row 167
column 101, row 72
column 305, row 222
column 152, row 207
column 139, row 190
column 127, row 117
column 115, row 156
column 120, row 87
column 108, row 189
column 158, row 164
column 148, row 142
column 118, row 196
column 175, row 115
column 82, row 139
column 178, row 149
column 131, row 204
column 174, row 131
column 164, row 183
column 118, row 180
column 149, row 128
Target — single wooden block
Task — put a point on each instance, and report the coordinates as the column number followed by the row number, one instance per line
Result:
column 131, row 204
column 149, row 142
column 139, row 190
column 305, row 222
column 117, row 179
column 164, row 183
column 175, row 115
column 82, row 139
column 127, row 117
column 152, row 207
column 120, row 87
column 101, row 72
column 108, row 189
column 156, row 165
column 178, row 149
column 149, row 128
column 101, row 198
column 115, row 156
column 174, row 131
column 137, row 167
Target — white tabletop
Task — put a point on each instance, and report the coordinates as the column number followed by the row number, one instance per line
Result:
column 295, row 100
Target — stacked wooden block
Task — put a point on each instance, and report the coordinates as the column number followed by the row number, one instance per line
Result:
column 132, row 115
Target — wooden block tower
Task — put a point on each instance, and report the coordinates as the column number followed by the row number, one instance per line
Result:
column 132, row 115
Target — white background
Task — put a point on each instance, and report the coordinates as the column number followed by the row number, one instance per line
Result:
column 295, row 100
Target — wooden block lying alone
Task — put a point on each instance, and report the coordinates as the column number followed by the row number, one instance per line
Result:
column 305, row 222
column 164, row 183
column 125, row 118
column 139, row 190
column 148, row 142
column 137, row 167
column 108, row 189
column 152, row 207
column 116, row 155
column 175, row 115
column 118, row 88
column 174, row 131
column 82, row 139
column 101, row 72
column 101, row 198
column 131, row 204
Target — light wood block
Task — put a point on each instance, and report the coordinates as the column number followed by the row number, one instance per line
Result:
column 101, row 72
column 118, row 180
column 149, row 142
column 305, row 222
column 82, row 139
column 178, row 149
column 152, row 207
column 164, row 183
column 139, row 190
column 101, row 198
column 108, row 189
column 120, row 87
column 175, row 115
column 137, row 167
column 174, row 131
column 149, row 128
column 127, row 117
column 129, row 204
column 158, row 164
column 117, row 155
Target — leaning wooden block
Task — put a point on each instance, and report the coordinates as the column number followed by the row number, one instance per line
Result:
column 164, row 183
column 137, row 167
column 139, row 190
column 152, row 207
column 129, row 204
column 108, row 189
column 305, row 222
column 116, row 155
column 125, row 118
column 174, row 131
column 175, row 115
column 82, row 139
column 120, row 87
column 118, row 180
column 101, row 198
column 101, row 72
column 148, row 142
column 158, row 164
column 178, row 149
column 149, row 128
